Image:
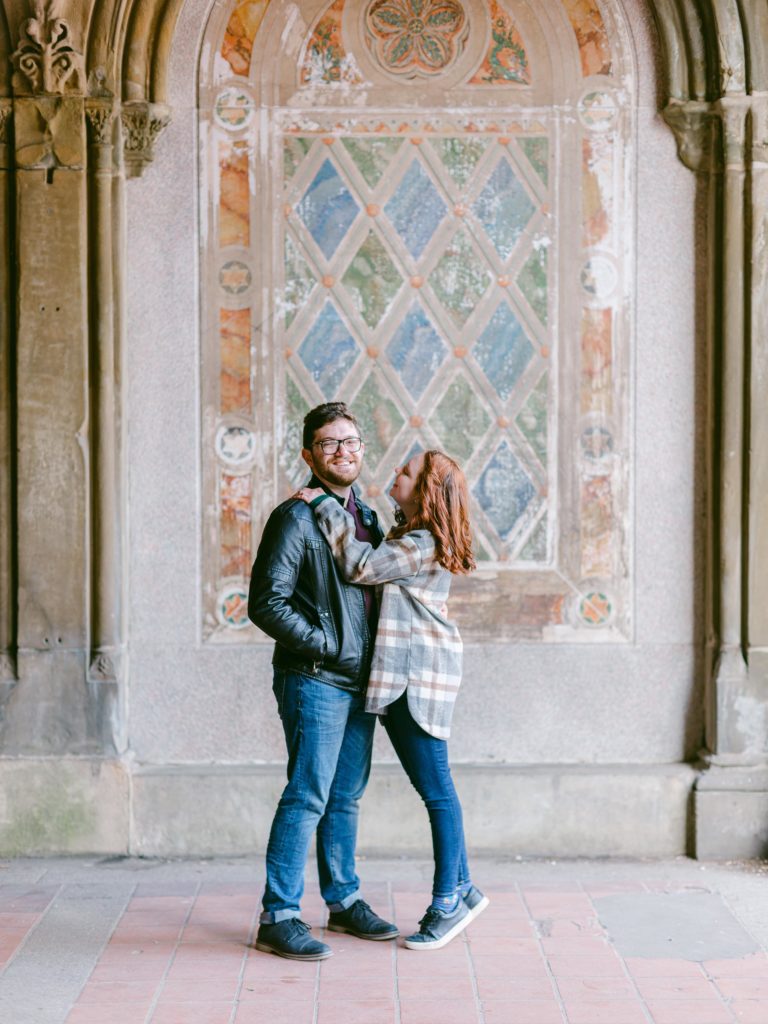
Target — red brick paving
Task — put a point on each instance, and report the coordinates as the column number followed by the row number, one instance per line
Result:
column 538, row 955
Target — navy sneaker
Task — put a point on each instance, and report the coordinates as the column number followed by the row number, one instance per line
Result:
column 358, row 919
column 292, row 940
column 436, row 929
column 476, row 901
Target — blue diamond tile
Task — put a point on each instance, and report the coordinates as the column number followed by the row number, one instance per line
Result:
column 503, row 350
column 416, row 351
column 328, row 351
column 504, row 490
column 416, row 209
column 503, row 208
column 327, row 209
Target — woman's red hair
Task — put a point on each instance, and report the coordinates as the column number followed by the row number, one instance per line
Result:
column 442, row 498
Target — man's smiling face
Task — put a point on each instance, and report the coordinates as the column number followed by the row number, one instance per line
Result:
column 339, row 468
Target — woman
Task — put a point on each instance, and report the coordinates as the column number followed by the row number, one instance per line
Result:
column 416, row 669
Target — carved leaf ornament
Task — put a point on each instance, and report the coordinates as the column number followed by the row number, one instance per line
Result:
column 45, row 56
column 416, row 37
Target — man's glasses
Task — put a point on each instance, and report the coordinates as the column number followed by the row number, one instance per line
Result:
column 329, row 445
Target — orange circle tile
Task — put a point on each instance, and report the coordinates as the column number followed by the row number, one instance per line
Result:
column 504, row 140
column 416, row 140
column 373, row 209
column 287, row 209
column 459, row 210
column 373, row 352
column 373, row 491
column 415, row 421
column 502, row 422
column 544, row 351
column 288, row 353
column 416, row 281
column 460, row 351
column 328, row 141
column 504, row 281
column 329, row 281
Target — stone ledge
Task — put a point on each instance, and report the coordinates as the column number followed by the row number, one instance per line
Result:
column 545, row 810
column 731, row 813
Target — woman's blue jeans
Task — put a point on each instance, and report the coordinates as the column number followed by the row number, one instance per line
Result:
column 329, row 737
column 425, row 759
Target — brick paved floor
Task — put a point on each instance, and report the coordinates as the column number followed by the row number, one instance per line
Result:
column 176, row 950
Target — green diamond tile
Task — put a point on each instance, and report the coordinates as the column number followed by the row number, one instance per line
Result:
column 536, row 148
column 460, row 156
column 535, row 549
column 379, row 418
column 532, row 281
column 460, row 419
column 295, row 148
column 372, row 280
column 372, row 156
column 459, row 279
column 299, row 281
column 532, row 419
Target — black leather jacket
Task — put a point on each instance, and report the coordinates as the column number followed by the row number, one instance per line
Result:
column 298, row 597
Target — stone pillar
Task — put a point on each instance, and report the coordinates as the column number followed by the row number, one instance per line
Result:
column 731, row 798
column 61, row 497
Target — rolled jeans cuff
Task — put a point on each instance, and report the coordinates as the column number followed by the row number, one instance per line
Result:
column 276, row 916
column 336, row 908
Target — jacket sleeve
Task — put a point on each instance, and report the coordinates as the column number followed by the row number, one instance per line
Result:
column 273, row 582
column 360, row 562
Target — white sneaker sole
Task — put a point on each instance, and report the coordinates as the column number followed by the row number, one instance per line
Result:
column 444, row 939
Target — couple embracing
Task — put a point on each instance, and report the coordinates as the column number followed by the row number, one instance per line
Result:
column 361, row 631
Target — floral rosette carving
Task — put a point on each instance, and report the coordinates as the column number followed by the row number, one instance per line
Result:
column 416, row 37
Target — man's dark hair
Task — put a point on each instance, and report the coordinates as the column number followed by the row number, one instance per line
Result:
column 322, row 414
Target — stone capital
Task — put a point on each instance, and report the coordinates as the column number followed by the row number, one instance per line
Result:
column 45, row 60
column 142, row 124
column 693, row 123
column 100, row 114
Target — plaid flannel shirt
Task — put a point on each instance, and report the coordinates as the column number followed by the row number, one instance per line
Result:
column 417, row 649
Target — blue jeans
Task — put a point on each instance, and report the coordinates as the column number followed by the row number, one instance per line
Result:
column 329, row 737
column 425, row 759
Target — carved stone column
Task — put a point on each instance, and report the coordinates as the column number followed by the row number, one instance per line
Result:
column 7, row 420
column 731, row 799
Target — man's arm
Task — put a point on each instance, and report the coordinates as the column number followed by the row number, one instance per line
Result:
column 273, row 582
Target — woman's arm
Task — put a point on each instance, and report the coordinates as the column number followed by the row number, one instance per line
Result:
column 358, row 561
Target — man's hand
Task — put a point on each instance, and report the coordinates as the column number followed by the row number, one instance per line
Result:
column 309, row 494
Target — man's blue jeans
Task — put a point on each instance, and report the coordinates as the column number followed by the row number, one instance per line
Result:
column 329, row 737
column 425, row 759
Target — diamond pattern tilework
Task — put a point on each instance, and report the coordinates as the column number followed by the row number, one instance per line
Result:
column 328, row 209
column 296, row 409
column 532, row 281
column 372, row 280
column 295, row 148
column 460, row 419
column 535, row 549
column 372, row 156
column 503, row 208
column 416, row 209
column 459, row 279
column 532, row 419
column 380, row 419
column 504, row 490
column 416, row 351
column 460, row 156
column 299, row 281
column 536, row 149
column 503, row 350
column 328, row 351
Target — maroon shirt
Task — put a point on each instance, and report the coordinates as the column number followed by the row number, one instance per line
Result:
column 362, row 533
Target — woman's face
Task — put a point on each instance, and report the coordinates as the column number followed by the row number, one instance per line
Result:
column 404, row 488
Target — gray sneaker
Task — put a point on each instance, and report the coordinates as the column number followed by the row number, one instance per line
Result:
column 292, row 940
column 436, row 929
column 476, row 901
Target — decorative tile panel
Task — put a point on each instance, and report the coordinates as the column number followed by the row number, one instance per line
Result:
column 460, row 272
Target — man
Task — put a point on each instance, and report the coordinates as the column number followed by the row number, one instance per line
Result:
column 324, row 629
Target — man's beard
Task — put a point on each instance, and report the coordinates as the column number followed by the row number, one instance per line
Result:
column 343, row 478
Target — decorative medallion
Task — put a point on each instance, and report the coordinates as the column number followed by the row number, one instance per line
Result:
column 233, row 108
column 235, row 445
column 595, row 608
column 235, row 277
column 598, row 110
column 596, row 443
column 599, row 277
column 232, row 607
column 416, row 38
